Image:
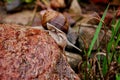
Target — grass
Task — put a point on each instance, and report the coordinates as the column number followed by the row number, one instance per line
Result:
column 97, row 32
column 108, row 66
column 118, row 76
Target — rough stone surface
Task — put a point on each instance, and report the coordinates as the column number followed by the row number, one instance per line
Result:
column 23, row 18
column 31, row 54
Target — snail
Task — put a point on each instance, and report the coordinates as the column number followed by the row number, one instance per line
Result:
column 58, row 27
column 60, row 37
column 56, row 19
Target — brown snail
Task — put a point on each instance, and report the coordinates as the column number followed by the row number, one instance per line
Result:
column 55, row 18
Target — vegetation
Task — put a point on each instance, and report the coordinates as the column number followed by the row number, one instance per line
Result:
column 107, row 66
column 27, row 1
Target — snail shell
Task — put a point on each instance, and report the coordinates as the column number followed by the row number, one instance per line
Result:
column 55, row 18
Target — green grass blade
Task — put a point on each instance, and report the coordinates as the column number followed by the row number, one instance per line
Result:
column 117, row 41
column 117, row 76
column 114, row 32
column 97, row 32
column 104, row 66
column 117, row 26
column 118, row 59
column 113, row 43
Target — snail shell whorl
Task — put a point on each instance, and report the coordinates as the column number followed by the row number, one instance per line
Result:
column 56, row 19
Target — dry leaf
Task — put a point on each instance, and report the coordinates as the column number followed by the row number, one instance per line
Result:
column 91, row 18
column 75, row 8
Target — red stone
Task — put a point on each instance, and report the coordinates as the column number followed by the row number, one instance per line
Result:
column 31, row 54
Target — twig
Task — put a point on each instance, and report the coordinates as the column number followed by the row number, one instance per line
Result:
column 34, row 13
column 46, row 2
column 87, row 70
column 83, row 39
column 100, row 70
column 39, row 3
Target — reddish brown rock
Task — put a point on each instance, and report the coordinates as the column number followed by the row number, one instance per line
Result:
column 31, row 54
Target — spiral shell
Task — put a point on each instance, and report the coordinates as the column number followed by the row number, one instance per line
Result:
column 55, row 18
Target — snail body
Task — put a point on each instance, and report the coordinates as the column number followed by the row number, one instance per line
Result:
column 60, row 37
